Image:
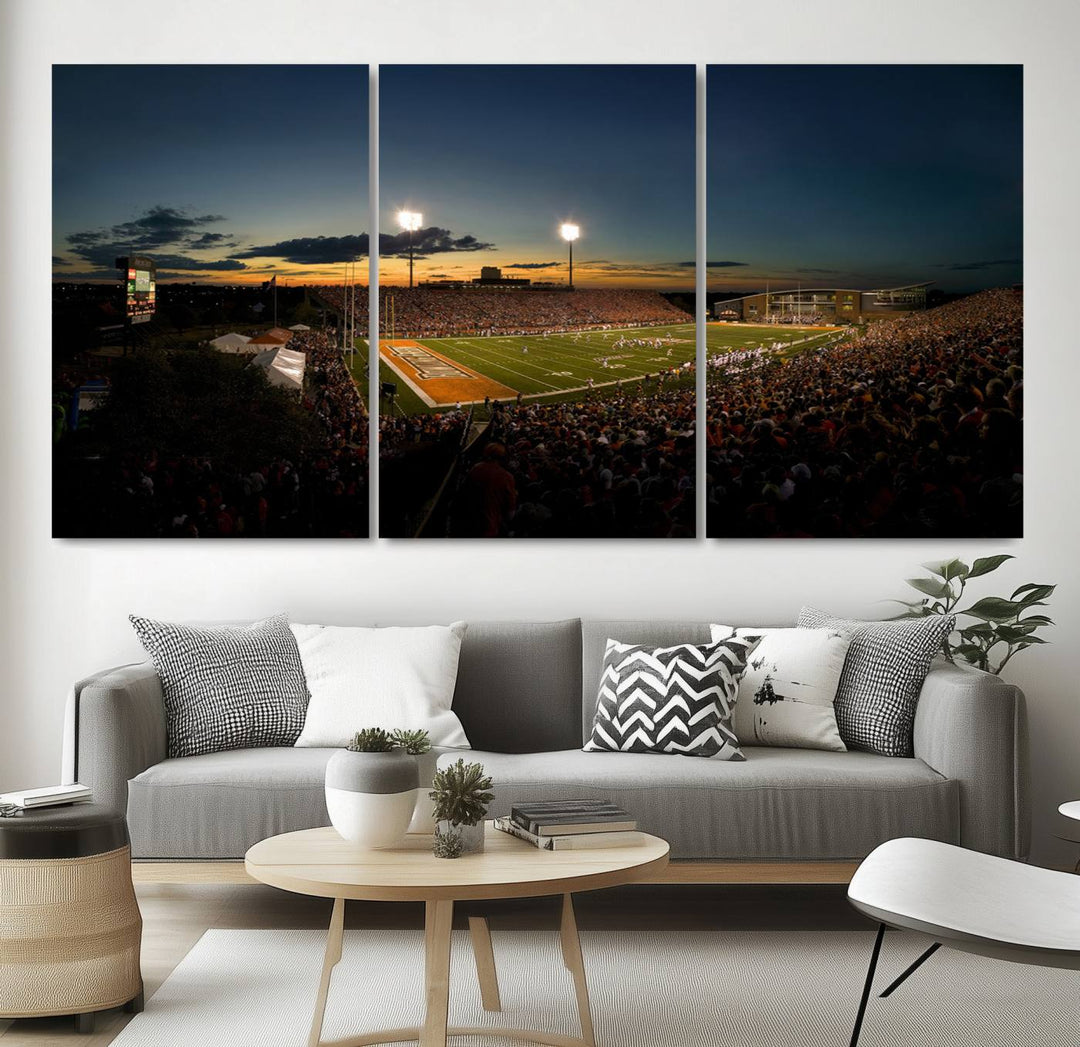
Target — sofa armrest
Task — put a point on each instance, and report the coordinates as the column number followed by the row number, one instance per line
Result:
column 115, row 729
column 972, row 727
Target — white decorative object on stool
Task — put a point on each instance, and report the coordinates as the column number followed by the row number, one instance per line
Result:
column 371, row 796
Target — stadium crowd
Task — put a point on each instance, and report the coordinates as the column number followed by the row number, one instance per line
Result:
column 320, row 492
column 912, row 429
column 620, row 467
column 429, row 312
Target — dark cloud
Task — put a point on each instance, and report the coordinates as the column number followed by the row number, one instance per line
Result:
column 311, row 250
column 966, row 266
column 208, row 240
column 819, row 272
column 324, row 250
column 432, row 240
column 533, row 265
column 149, row 232
column 57, row 260
column 179, row 261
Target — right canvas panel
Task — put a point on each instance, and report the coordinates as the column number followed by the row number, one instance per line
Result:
column 865, row 300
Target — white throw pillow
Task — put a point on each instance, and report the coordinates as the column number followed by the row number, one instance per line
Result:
column 786, row 694
column 389, row 678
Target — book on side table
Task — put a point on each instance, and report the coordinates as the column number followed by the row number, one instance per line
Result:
column 50, row 796
column 561, row 825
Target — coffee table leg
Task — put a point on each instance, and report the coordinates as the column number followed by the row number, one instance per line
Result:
column 438, row 920
column 330, row 959
column 484, row 955
column 571, row 950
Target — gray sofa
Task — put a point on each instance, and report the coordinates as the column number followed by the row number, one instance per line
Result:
column 526, row 694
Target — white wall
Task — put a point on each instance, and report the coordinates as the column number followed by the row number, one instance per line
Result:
column 64, row 603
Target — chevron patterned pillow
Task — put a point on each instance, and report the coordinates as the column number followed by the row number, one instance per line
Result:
column 670, row 699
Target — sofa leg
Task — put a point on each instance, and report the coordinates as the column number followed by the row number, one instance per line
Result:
column 84, row 1023
column 135, row 1004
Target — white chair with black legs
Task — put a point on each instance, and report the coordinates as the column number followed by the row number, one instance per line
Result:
column 969, row 901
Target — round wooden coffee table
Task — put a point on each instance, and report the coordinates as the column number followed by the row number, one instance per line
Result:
column 319, row 862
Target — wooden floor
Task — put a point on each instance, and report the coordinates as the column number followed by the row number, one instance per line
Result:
column 175, row 916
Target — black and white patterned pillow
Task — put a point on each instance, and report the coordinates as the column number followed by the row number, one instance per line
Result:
column 227, row 687
column 883, row 675
column 670, row 699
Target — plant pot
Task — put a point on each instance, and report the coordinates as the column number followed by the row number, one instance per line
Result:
column 423, row 819
column 370, row 797
column 472, row 836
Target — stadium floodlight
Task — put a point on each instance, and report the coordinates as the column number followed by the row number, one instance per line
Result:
column 570, row 233
column 410, row 221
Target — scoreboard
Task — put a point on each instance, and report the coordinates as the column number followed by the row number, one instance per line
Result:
column 139, row 276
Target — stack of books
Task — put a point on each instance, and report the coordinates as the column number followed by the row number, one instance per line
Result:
column 50, row 796
column 567, row 825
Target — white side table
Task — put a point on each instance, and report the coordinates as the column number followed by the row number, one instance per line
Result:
column 1071, row 809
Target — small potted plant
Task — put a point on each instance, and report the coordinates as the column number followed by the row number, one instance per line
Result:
column 460, row 794
column 372, row 786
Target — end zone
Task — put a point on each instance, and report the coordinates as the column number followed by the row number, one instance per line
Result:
column 436, row 379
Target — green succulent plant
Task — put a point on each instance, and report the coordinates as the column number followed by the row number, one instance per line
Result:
column 447, row 843
column 1003, row 627
column 371, row 740
column 461, row 793
column 415, row 743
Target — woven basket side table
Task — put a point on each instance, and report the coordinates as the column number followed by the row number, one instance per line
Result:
column 70, row 928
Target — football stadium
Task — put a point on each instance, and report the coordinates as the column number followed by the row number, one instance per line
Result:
column 582, row 392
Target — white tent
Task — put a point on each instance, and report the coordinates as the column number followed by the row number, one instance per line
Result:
column 284, row 367
column 230, row 343
column 299, row 327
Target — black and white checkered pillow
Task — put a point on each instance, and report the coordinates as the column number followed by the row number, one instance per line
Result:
column 227, row 687
column 883, row 675
column 670, row 699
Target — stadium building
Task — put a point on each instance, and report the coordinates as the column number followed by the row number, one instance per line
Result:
column 823, row 305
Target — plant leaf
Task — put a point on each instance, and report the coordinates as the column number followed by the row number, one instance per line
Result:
column 986, row 564
column 1038, row 619
column 930, row 586
column 1034, row 593
column 994, row 609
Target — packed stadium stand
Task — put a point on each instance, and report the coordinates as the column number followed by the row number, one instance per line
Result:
column 913, row 429
column 320, row 490
column 425, row 312
column 614, row 467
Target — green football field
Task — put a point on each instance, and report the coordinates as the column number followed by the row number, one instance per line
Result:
column 559, row 366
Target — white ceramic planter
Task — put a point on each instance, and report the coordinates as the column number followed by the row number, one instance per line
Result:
column 371, row 797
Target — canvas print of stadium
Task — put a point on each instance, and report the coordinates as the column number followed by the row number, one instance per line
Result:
column 210, row 301
column 537, row 349
column 865, row 341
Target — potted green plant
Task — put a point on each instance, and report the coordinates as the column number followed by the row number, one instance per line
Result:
column 1002, row 627
column 460, row 794
column 372, row 786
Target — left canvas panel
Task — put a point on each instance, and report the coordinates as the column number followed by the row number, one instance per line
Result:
column 210, row 301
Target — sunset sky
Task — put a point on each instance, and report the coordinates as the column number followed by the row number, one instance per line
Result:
column 496, row 157
column 220, row 173
column 864, row 176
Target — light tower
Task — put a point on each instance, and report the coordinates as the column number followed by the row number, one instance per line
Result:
column 410, row 222
column 570, row 233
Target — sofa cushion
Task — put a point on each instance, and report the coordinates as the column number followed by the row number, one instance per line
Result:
column 675, row 700
column 219, row 804
column 781, row 804
column 594, row 637
column 519, row 685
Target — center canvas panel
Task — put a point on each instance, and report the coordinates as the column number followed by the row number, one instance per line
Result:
column 536, row 276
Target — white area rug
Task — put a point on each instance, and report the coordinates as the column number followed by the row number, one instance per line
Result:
column 257, row 989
